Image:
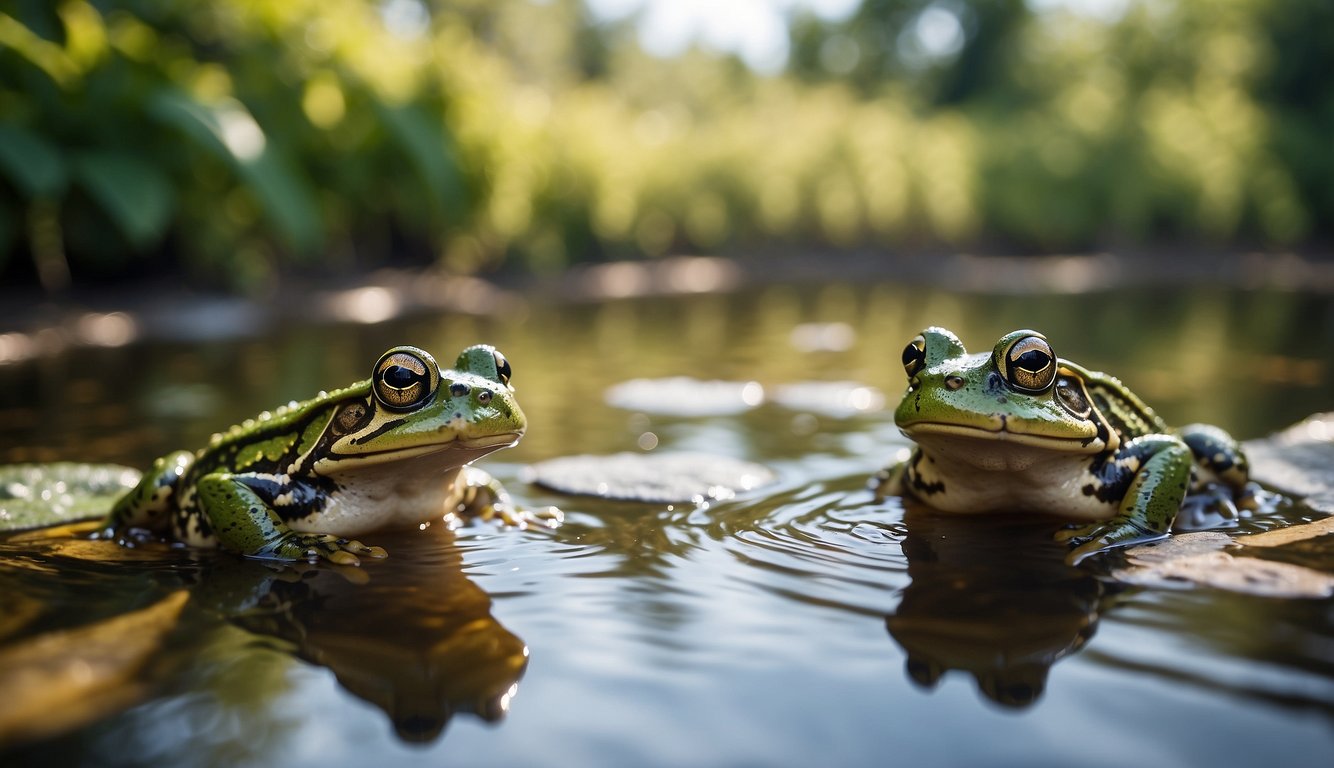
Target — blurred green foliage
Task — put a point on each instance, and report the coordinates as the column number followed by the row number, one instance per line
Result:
column 232, row 138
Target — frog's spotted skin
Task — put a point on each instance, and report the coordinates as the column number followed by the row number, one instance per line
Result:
column 1019, row 429
column 388, row 451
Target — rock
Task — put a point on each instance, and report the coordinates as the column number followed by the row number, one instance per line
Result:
column 1299, row 461
column 1202, row 559
column 662, row 478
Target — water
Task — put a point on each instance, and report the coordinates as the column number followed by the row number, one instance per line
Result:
column 801, row 624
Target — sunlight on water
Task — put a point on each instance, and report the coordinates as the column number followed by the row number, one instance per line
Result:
column 799, row 623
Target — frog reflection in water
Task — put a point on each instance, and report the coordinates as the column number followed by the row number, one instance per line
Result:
column 414, row 636
column 1019, row 429
column 992, row 597
column 391, row 451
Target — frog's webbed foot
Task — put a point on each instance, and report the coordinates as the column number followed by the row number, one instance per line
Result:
column 482, row 497
column 1091, row 538
column 508, row 514
column 889, row 481
column 1254, row 498
column 1217, row 505
column 313, row 547
column 1211, row 507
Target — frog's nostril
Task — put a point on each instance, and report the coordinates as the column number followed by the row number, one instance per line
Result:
column 484, row 396
column 458, row 389
column 953, row 382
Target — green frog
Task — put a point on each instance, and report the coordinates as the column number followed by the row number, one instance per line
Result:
column 1019, row 429
column 295, row 484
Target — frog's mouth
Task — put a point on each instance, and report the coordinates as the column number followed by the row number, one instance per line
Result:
column 459, row 450
column 485, row 443
column 1001, row 433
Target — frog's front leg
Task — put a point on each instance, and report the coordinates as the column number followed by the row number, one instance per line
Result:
column 478, row 495
column 244, row 522
column 1158, row 468
column 890, row 481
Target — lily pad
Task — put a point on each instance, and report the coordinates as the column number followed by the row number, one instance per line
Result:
column 663, row 478
column 684, row 396
column 836, row 399
column 38, row 495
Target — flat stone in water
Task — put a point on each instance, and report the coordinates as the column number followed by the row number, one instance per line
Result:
column 1199, row 559
column 684, row 396
column 1298, row 461
column 661, row 478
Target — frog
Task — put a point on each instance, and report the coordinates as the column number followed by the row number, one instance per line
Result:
column 298, row 482
column 1018, row 429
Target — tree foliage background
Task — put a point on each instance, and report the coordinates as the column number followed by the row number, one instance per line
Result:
column 232, row 139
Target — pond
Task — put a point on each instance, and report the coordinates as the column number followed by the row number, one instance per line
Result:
column 801, row 623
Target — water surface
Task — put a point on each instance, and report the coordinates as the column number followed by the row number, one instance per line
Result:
column 799, row 624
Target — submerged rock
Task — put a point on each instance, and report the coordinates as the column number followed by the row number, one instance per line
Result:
column 663, row 478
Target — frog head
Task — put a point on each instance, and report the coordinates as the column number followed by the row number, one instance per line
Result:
column 1019, row 394
column 410, row 408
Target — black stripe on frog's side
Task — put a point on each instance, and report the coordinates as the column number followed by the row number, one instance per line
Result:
column 292, row 499
column 921, row 487
column 385, row 427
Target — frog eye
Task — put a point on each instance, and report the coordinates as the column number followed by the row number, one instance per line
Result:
column 404, row 378
column 914, row 356
column 1029, row 364
column 503, row 367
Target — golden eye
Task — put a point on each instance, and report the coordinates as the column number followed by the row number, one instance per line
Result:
column 503, row 367
column 1030, row 364
column 405, row 377
column 914, row 356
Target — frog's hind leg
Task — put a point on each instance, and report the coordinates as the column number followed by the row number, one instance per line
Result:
column 1159, row 468
column 1220, row 483
column 890, row 481
column 242, row 521
column 149, row 503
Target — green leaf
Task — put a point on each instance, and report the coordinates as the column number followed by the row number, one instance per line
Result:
column 136, row 195
column 229, row 131
column 424, row 141
column 32, row 163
